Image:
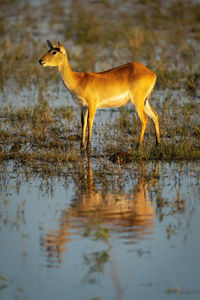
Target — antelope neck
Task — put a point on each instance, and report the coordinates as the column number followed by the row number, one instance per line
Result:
column 67, row 74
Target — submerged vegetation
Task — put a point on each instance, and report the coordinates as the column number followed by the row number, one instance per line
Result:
column 162, row 35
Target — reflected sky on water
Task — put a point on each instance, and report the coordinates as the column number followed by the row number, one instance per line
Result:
column 110, row 232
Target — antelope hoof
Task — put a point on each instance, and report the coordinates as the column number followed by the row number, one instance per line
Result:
column 157, row 142
column 138, row 146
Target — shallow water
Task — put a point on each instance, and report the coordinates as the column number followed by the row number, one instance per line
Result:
column 101, row 231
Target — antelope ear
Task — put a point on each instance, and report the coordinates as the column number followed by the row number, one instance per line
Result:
column 51, row 45
column 62, row 48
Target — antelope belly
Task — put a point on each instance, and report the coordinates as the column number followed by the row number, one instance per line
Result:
column 114, row 101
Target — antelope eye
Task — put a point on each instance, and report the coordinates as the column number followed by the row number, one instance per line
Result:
column 53, row 52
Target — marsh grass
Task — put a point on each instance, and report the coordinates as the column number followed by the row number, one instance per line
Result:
column 42, row 135
column 35, row 136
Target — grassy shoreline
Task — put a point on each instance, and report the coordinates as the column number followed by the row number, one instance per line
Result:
column 52, row 135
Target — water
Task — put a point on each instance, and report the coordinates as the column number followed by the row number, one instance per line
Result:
column 100, row 231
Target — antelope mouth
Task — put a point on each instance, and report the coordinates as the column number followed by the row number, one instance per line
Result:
column 41, row 62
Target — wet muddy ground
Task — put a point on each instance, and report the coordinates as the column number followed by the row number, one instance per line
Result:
column 123, row 222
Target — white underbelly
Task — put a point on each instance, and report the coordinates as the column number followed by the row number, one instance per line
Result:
column 115, row 101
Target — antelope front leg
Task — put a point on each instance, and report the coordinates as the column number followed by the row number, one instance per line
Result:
column 84, row 120
column 92, row 111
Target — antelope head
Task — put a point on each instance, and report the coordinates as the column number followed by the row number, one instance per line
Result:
column 55, row 56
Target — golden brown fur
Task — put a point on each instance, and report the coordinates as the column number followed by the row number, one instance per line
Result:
column 112, row 88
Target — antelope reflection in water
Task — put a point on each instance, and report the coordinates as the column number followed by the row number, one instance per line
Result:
column 130, row 215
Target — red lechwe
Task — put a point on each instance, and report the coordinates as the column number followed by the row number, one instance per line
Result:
column 112, row 88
